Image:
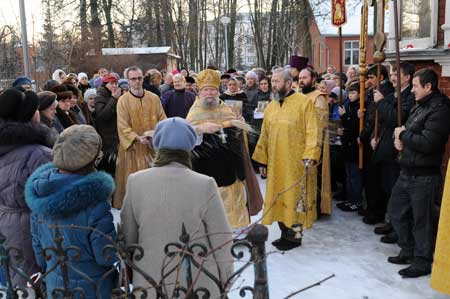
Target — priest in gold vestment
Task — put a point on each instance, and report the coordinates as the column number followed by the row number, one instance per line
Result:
column 297, row 63
column 138, row 111
column 440, row 275
column 223, row 154
column 307, row 83
column 290, row 140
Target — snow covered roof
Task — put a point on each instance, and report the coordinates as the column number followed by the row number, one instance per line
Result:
column 352, row 27
column 139, row 51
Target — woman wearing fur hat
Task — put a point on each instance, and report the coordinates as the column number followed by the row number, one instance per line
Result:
column 69, row 192
column 64, row 116
column 24, row 146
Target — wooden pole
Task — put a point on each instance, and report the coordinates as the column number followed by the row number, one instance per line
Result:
column 379, row 57
column 340, row 65
column 362, row 72
column 397, row 63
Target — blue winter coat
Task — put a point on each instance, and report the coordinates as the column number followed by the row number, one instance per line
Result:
column 70, row 199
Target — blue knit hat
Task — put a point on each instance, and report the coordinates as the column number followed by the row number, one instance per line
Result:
column 174, row 133
column 21, row 81
column 123, row 83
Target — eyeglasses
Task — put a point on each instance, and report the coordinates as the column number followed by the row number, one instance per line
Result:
column 136, row 79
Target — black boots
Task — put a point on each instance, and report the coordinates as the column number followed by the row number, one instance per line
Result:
column 413, row 272
column 290, row 237
column 384, row 230
column 400, row 260
column 390, row 238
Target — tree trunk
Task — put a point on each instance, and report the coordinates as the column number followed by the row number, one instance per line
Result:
column 166, row 7
column 193, row 32
column 271, row 51
column 148, row 27
column 96, row 28
column 303, row 35
column 84, row 22
column 107, row 5
column 159, row 37
column 232, row 31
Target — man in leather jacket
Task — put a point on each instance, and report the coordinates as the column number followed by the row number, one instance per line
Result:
column 412, row 206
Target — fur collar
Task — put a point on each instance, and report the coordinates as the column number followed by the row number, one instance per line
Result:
column 49, row 193
column 20, row 134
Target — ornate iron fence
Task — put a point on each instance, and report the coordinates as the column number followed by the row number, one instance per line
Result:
column 188, row 252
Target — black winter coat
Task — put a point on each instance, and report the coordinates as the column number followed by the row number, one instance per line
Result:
column 426, row 135
column 222, row 161
column 106, row 121
column 350, row 122
column 387, row 111
column 151, row 88
column 386, row 89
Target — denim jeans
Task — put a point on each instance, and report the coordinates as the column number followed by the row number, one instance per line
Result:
column 2, row 277
column 413, row 214
column 354, row 182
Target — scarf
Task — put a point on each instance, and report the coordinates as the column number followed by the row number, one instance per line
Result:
column 166, row 156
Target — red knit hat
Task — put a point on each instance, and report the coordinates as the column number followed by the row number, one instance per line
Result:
column 109, row 79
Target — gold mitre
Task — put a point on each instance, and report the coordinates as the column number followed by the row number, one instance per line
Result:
column 208, row 78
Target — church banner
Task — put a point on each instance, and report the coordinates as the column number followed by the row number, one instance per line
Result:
column 338, row 12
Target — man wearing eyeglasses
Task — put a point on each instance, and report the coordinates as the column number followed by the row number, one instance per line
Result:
column 138, row 111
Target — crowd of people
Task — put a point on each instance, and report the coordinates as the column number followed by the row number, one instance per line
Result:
column 180, row 149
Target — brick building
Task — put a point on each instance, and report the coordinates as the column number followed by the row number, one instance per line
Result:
column 423, row 42
column 425, row 39
column 325, row 41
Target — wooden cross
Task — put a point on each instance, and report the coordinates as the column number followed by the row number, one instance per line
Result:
column 380, row 36
column 362, row 70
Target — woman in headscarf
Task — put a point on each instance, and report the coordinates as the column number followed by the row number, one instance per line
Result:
column 59, row 76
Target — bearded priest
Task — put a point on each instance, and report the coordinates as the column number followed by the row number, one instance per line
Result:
column 289, row 145
column 223, row 152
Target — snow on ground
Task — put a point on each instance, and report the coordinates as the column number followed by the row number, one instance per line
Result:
column 342, row 245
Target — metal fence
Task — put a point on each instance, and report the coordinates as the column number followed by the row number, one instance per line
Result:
column 188, row 252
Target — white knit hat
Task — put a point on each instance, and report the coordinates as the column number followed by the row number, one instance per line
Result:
column 82, row 75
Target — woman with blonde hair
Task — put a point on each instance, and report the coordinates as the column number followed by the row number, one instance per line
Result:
column 152, row 81
column 352, row 75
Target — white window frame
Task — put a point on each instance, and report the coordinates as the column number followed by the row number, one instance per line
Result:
column 351, row 52
column 417, row 43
